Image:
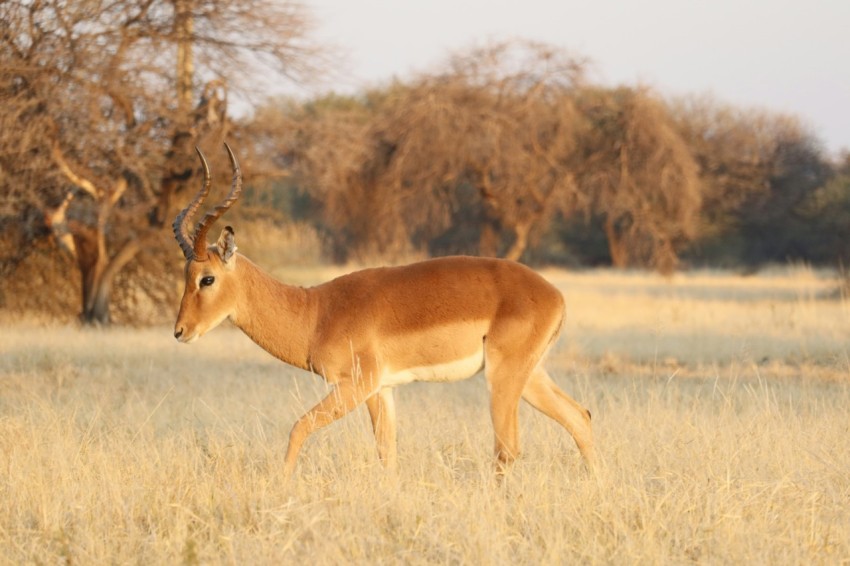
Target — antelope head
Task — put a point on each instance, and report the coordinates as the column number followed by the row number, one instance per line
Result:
column 209, row 296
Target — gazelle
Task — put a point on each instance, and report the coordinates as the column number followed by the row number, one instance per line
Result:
column 369, row 331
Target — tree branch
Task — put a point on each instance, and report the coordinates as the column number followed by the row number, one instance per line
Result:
column 80, row 182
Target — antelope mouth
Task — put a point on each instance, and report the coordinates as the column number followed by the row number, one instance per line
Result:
column 186, row 337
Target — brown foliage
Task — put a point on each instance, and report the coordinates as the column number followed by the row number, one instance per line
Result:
column 500, row 121
column 86, row 133
column 734, row 148
column 490, row 153
column 488, row 143
column 638, row 176
column 767, row 185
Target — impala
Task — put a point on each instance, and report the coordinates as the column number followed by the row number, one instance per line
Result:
column 367, row 332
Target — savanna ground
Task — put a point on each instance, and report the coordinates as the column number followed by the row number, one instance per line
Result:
column 721, row 407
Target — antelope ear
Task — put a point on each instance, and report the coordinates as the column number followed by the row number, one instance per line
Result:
column 226, row 245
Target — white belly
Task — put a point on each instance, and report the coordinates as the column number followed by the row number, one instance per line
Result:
column 449, row 371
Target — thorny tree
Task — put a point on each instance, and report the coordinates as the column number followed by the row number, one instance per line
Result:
column 638, row 176
column 489, row 153
column 485, row 146
column 502, row 122
column 102, row 103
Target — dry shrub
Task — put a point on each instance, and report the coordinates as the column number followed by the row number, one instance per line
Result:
column 274, row 244
column 43, row 285
column 46, row 286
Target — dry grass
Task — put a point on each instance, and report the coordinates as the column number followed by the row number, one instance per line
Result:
column 721, row 407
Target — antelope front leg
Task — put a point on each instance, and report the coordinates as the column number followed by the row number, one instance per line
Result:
column 345, row 397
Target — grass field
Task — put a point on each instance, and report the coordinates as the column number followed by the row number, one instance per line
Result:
column 721, row 408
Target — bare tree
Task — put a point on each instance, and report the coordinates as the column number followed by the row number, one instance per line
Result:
column 501, row 120
column 487, row 143
column 638, row 176
column 103, row 102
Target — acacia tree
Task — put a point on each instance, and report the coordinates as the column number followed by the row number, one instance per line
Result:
column 499, row 121
column 103, row 102
column 487, row 143
column 63, row 87
column 638, row 176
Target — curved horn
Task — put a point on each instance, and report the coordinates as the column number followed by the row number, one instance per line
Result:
column 182, row 220
column 200, row 242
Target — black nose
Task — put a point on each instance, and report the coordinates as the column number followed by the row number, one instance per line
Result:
column 178, row 333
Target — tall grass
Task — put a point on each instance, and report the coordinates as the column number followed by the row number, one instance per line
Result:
column 721, row 407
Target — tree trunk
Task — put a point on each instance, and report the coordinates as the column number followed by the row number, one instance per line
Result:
column 96, row 311
column 520, row 242
column 98, row 271
column 184, row 27
column 91, row 265
column 616, row 246
column 489, row 241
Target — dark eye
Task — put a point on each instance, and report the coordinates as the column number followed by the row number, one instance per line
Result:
column 207, row 281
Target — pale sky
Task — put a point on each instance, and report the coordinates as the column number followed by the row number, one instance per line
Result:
column 783, row 55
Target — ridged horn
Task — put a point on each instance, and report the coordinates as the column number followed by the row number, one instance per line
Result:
column 182, row 220
column 200, row 239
